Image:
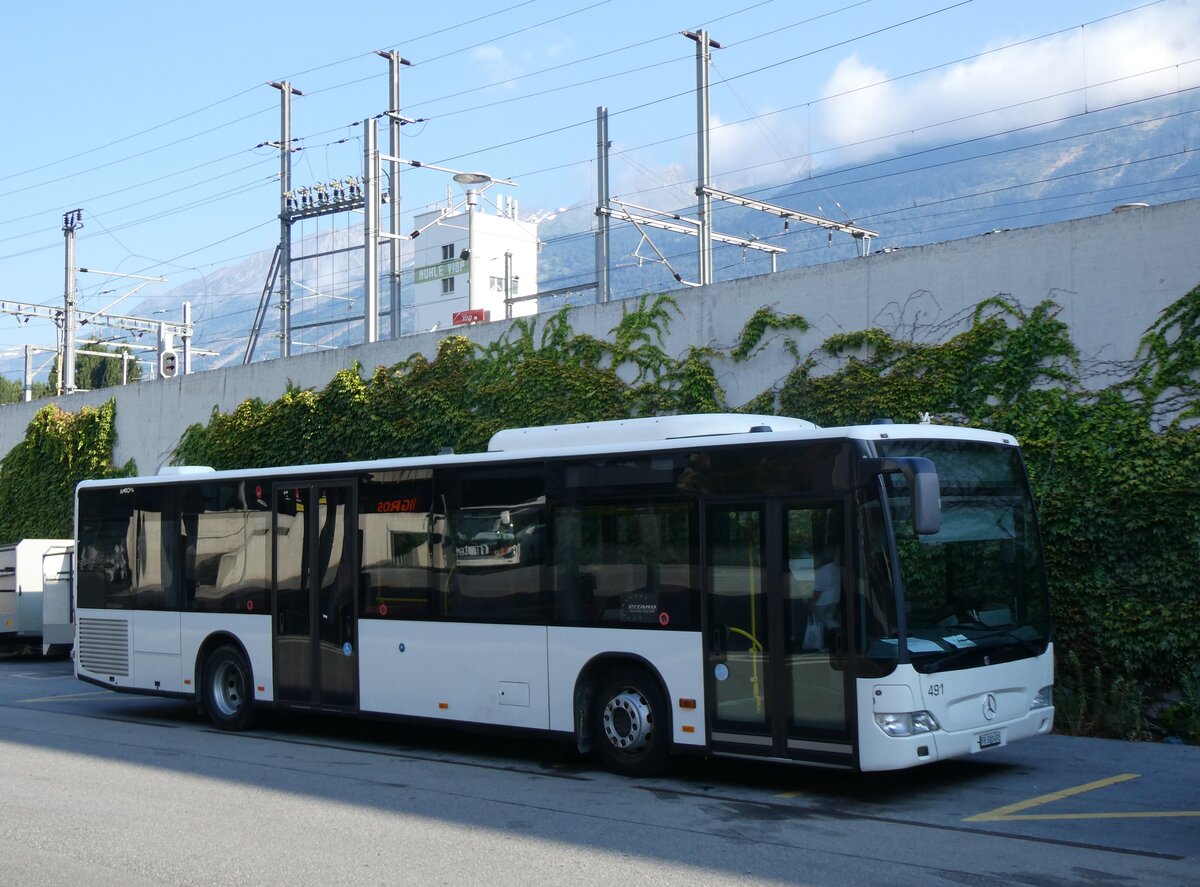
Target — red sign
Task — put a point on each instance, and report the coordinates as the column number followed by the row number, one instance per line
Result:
column 474, row 315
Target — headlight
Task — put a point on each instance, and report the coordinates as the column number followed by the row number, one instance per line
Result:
column 906, row 723
column 1043, row 699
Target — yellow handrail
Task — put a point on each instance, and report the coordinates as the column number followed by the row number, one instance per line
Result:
column 754, row 643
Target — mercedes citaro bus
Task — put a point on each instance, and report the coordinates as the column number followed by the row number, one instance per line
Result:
column 870, row 597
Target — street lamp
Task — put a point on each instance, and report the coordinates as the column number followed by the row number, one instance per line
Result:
column 473, row 183
column 472, row 178
column 468, row 180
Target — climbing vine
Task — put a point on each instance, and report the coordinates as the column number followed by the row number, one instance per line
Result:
column 38, row 476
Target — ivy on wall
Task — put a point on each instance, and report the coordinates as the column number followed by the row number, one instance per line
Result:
column 465, row 394
column 1115, row 471
column 38, row 476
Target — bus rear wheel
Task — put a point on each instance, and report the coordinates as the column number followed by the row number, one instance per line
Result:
column 226, row 692
column 630, row 723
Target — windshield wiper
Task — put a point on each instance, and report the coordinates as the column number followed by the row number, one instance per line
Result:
column 963, row 653
column 1029, row 645
column 999, row 634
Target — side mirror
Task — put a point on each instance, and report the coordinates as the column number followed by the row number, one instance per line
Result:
column 924, row 491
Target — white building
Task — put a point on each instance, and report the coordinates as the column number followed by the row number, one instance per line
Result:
column 471, row 266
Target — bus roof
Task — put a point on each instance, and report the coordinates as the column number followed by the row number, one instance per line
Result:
column 655, row 428
column 623, row 436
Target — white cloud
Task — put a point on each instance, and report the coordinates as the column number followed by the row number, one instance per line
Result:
column 502, row 66
column 742, row 154
column 497, row 65
column 753, row 152
column 1119, row 60
column 667, row 187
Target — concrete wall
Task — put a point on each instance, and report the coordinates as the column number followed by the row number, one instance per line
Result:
column 1111, row 274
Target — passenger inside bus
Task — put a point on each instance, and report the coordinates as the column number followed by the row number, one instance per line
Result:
column 827, row 587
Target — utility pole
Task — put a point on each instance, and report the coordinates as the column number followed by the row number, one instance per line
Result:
column 286, row 91
column 704, row 203
column 371, row 232
column 473, row 288
column 394, row 121
column 187, row 339
column 28, row 373
column 508, row 284
column 72, row 220
column 604, row 289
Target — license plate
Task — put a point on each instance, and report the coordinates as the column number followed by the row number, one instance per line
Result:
column 994, row 739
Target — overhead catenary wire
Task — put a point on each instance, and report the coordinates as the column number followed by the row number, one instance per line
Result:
column 119, row 160
column 270, row 108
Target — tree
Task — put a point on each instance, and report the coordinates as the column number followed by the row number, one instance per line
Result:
column 92, row 372
column 13, row 390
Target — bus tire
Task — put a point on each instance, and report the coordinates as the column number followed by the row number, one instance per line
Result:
column 631, row 726
column 227, row 693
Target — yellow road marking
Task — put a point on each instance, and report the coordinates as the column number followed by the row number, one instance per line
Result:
column 1132, row 815
column 1007, row 811
column 1013, row 811
column 68, row 696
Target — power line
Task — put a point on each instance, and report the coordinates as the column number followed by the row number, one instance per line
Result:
column 460, row 50
column 174, row 143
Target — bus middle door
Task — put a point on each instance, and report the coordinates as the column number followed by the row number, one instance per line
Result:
column 315, row 636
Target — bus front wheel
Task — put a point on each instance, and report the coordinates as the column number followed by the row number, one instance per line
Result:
column 630, row 723
column 227, row 689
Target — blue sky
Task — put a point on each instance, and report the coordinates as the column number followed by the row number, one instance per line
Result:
column 151, row 116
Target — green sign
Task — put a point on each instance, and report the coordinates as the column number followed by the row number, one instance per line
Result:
column 426, row 273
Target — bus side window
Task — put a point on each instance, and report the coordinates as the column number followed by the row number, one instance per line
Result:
column 626, row 564
column 401, row 555
column 224, row 536
column 497, row 529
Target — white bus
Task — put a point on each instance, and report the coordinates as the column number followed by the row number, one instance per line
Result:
column 870, row 597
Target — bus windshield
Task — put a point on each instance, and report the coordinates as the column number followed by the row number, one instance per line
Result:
column 974, row 592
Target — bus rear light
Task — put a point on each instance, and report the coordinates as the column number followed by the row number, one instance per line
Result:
column 688, row 728
column 443, row 705
column 906, row 723
column 687, row 703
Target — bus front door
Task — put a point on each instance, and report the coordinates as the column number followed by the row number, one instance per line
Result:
column 316, row 651
column 776, row 678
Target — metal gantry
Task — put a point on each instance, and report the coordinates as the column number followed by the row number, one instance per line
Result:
column 68, row 319
column 164, row 330
column 863, row 235
column 363, row 193
column 701, row 227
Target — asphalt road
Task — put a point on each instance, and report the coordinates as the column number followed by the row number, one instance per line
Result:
column 98, row 788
